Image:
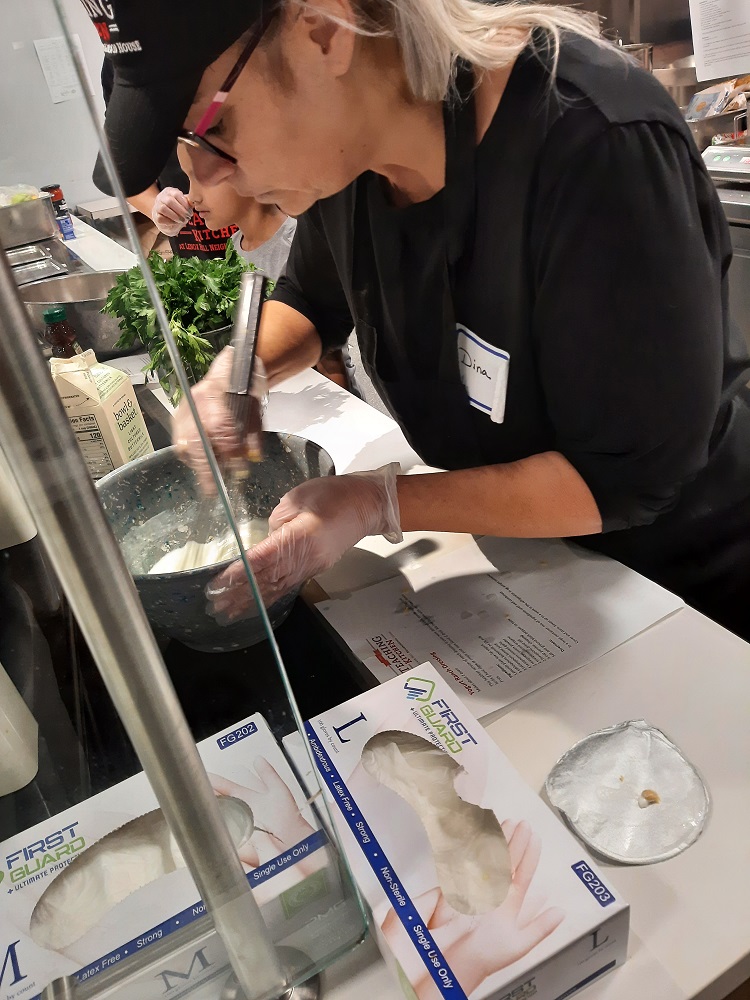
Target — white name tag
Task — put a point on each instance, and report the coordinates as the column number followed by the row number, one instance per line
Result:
column 484, row 373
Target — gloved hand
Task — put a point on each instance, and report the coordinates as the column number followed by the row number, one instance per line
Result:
column 171, row 211
column 211, row 400
column 311, row 528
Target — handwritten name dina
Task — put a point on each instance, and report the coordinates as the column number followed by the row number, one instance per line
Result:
column 466, row 359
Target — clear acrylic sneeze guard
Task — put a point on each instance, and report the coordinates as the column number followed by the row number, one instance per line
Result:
column 155, row 838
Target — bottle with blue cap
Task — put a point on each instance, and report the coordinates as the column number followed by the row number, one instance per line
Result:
column 60, row 208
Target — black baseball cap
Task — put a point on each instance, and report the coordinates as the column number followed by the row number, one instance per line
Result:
column 159, row 52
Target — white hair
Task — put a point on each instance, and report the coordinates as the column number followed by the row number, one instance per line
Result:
column 433, row 34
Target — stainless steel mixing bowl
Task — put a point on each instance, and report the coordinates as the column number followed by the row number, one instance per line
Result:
column 83, row 296
column 157, row 484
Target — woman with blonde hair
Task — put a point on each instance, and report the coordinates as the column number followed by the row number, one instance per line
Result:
column 516, row 221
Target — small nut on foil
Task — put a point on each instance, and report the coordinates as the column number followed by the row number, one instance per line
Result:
column 648, row 797
column 605, row 787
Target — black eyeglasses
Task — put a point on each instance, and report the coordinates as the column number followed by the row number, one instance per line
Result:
column 196, row 139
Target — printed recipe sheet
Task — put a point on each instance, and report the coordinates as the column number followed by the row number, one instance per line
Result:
column 548, row 609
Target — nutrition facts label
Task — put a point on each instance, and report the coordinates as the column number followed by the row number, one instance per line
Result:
column 92, row 444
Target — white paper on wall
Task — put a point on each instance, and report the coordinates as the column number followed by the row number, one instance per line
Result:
column 721, row 38
column 58, row 67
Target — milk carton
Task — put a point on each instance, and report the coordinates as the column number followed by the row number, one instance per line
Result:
column 103, row 411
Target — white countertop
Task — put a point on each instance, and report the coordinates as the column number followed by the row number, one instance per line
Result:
column 690, row 916
column 99, row 251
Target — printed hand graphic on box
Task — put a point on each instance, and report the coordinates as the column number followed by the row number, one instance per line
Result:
column 484, row 868
column 104, row 880
column 143, row 850
column 479, row 946
column 279, row 824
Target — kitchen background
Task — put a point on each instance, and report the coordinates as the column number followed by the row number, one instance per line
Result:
column 41, row 138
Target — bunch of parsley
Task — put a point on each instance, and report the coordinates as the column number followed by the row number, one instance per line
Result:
column 199, row 296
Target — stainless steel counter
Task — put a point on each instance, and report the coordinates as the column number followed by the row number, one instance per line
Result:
column 736, row 203
column 735, row 200
column 63, row 254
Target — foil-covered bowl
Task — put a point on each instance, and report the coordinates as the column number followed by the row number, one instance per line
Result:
column 630, row 794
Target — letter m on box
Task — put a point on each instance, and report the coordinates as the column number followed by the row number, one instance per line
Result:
column 167, row 976
column 10, row 966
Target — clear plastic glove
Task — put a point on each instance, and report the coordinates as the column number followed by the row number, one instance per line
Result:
column 210, row 396
column 311, row 528
column 171, row 211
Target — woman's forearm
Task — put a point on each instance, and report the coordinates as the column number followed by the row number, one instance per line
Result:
column 287, row 342
column 542, row 496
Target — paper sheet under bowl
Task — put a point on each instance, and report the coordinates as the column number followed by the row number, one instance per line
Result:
column 597, row 785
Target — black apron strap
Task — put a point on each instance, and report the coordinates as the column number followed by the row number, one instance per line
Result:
column 459, row 206
column 459, row 196
column 421, row 403
column 459, row 115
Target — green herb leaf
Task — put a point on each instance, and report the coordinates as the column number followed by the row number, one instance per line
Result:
column 199, row 296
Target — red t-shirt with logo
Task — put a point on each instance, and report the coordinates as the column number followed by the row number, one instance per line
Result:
column 195, row 239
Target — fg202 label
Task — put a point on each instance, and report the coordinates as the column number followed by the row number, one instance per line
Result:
column 229, row 739
column 593, row 883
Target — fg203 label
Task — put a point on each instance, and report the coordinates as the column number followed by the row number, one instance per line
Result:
column 593, row 883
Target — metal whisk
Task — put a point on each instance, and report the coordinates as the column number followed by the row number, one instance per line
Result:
column 245, row 408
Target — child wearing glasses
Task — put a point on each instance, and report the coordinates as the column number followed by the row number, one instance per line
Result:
column 265, row 234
